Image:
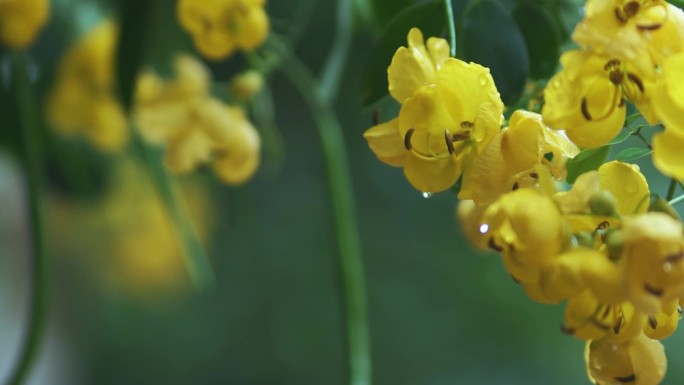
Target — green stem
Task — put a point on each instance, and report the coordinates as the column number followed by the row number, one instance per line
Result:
column 340, row 188
column 196, row 261
column 676, row 200
column 643, row 139
column 30, row 128
column 671, row 189
column 452, row 27
column 330, row 79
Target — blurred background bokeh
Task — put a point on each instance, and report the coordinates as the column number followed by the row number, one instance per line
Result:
column 123, row 310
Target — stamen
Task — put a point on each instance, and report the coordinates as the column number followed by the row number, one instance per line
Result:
column 585, row 109
column 676, row 257
column 653, row 290
column 652, row 322
column 376, row 116
column 602, row 226
column 599, row 325
column 407, row 138
column 611, row 64
column 534, row 175
column 631, row 8
column 516, row 280
column 516, row 186
column 467, row 124
column 463, row 135
column 635, row 79
column 449, row 143
column 620, row 15
column 606, row 312
column 616, row 77
column 492, row 245
column 651, row 27
column 627, row 379
column 566, row 329
column 618, row 325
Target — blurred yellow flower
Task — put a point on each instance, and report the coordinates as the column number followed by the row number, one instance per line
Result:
column 587, row 97
column 21, row 21
column 642, row 33
column 83, row 101
column 219, row 27
column 450, row 111
column 246, row 85
column 194, row 127
column 639, row 361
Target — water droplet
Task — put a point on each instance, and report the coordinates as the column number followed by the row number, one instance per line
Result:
column 667, row 267
column 484, row 228
column 427, row 195
column 483, row 80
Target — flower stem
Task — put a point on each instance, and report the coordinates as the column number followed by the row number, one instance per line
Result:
column 340, row 188
column 330, row 79
column 452, row 27
column 30, row 129
column 671, row 189
column 676, row 200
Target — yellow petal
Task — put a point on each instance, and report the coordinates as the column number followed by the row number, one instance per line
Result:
column 386, row 142
column 411, row 68
column 431, row 174
column 628, row 186
column 667, row 153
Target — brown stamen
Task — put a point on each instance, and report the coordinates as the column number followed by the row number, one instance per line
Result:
column 603, row 225
column 516, row 186
column 653, row 290
column 626, row 379
column 585, row 109
column 463, row 135
column 376, row 117
column 599, row 325
column 466, row 124
column 653, row 322
column 492, row 245
column 631, row 8
column 566, row 330
column 534, row 175
column 407, row 138
column 618, row 325
column 651, row 27
column 616, row 77
column 676, row 257
column 635, row 79
column 449, row 143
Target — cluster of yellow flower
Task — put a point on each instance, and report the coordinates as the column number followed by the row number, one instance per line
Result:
column 180, row 114
column 195, row 126
column 21, row 20
column 219, row 27
column 605, row 246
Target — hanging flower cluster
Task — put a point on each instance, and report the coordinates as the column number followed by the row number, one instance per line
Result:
column 605, row 246
column 21, row 21
column 220, row 27
column 195, row 127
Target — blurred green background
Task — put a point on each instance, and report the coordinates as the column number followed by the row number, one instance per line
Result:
column 440, row 313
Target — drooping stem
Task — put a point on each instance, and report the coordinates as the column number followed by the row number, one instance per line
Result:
column 340, row 188
column 676, row 200
column 452, row 27
column 330, row 79
column 29, row 125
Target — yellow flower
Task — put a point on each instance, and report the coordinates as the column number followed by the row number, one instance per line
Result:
column 653, row 255
column 642, row 33
column 83, row 101
column 668, row 102
column 509, row 160
column 21, row 20
column 219, row 27
column 450, row 111
column 194, row 127
column 588, row 318
column 622, row 181
column 470, row 219
column 416, row 65
column 527, row 227
column 587, row 98
column 640, row 361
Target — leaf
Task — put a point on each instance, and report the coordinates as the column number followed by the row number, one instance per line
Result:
column 624, row 135
column 542, row 37
column 632, row 153
column 587, row 160
column 492, row 38
column 429, row 17
column 385, row 10
column 567, row 13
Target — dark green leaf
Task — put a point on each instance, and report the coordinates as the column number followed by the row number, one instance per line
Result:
column 385, row 10
column 632, row 153
column 567, row 13
column 491, row 38
column 542, row 37
column 429, row 17
column 587, row 160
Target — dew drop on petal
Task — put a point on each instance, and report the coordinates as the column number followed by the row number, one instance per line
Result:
column 483, row 80
column 484, row 228
column 427, row 195
column 667, row 267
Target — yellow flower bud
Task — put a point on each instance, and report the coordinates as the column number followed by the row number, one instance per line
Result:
column 247, row 84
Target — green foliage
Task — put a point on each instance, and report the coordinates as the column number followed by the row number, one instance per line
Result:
column 384, row 10
column 587, row 160
column 429, row 17
column 492, row 38
column 542, row 37
column 632, row 153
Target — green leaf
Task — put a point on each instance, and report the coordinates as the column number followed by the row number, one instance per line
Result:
column 624, row 135
column 492, row 38
column 542, row 37
column 385, row 10
column 587, row 160
column 429, row 17
column 567, row 13
column 632, row 153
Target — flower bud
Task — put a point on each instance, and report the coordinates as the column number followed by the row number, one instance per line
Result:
column 603, row 203
column 662, row 206
column 614, row 242
column 246, row 84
